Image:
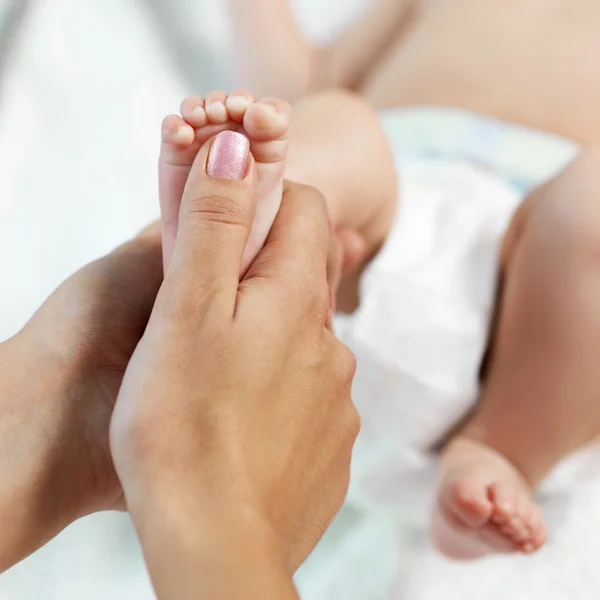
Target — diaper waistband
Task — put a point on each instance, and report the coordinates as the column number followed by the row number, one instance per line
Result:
column 522, row 156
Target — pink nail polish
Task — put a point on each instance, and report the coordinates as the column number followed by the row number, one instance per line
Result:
column 228, row 156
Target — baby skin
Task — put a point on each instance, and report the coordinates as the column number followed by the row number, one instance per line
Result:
column 484, row 504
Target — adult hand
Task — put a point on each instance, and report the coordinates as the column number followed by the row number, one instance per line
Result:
column 234, row 426
column 59, row 378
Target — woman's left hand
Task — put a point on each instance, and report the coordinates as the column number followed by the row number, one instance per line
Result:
column 59, row 378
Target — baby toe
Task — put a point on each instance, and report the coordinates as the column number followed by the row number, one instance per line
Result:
column 503, row 501
column 192, row 110
column 520, row 532
column 268, row 120
column 237, row 104
column 214, row 105
column 539, row 530
column 467, row 499
column 177, row 142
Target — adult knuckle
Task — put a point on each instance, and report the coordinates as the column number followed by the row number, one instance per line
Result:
column 354, row 421
column 134, row 436
column 217, row 210
column 317, row 300
column 346, row 364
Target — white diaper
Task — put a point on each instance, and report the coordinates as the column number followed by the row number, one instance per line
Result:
column 423, row 324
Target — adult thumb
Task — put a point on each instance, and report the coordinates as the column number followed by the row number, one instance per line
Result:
column 217, row 210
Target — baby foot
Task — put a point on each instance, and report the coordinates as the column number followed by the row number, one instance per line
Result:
column 484, row 505
column 266, row 123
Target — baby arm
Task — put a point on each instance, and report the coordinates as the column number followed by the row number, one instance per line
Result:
column 272, row 54
column 275, row 57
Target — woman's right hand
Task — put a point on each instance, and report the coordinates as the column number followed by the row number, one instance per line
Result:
column 234, row 427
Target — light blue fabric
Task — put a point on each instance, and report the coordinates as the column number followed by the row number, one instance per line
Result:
column 521, row 156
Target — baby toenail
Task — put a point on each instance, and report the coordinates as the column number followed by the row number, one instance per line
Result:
column 182, row 133
column 270, row 109
column 237, row 102
column 198, row 111
column 529, row 547
column 217, row 109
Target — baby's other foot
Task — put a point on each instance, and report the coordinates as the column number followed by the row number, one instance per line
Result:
column 484, row 505
column 267, row 125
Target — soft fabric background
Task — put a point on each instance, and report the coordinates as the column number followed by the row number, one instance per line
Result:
column 83, row 91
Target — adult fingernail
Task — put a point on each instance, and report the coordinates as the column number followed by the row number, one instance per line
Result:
column 228, row 156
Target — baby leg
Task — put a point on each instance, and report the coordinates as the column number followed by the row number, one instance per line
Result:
column 338, row 147
column 541, row 399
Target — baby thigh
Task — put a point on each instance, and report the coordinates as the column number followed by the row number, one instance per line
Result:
column 541, row 398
